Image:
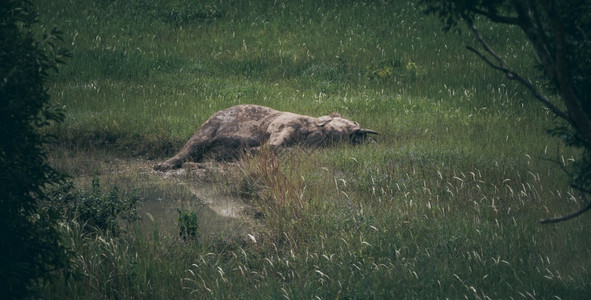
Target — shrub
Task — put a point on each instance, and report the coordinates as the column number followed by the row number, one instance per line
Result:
column 96, row 210
column 31, row 247
column 188, row 224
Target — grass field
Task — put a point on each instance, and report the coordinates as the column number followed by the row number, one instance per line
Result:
column 445, row 205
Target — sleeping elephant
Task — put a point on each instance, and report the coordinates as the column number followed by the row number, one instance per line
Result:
column 231, row 131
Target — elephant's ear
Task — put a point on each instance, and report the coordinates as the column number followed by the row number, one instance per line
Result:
column 320, row 122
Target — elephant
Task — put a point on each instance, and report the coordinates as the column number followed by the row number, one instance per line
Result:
column 235, row 130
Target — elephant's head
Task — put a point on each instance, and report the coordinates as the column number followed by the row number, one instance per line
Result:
column 338, row 128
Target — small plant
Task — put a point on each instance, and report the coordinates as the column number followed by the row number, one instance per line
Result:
column 189, row 14
column 413, row 70
column 389, row 69
column 96, row 210
column 188, row 223
column 385, row 69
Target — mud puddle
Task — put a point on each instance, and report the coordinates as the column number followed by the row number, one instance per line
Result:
column 218, row 215
column 164, row 194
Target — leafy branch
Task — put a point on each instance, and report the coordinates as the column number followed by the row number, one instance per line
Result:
column 557, row 32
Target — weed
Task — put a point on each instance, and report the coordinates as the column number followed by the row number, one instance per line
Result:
column 188, row 224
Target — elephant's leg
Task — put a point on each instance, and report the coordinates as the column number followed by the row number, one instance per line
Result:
column 193, row 150
column 231, row 147
column 282, row 138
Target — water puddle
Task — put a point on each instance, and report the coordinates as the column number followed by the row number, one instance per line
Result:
column 218, row 215
column 224, row 206
column 163, row 194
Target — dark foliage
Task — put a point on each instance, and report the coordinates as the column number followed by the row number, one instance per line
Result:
column 96, row 210
column 188, row 225
column 30, row 239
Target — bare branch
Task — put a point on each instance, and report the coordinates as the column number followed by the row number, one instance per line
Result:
column 581, row 189
column 487, row 61
column 533, row 20
column 497, row 18
column 572, row 215
column 501, row 66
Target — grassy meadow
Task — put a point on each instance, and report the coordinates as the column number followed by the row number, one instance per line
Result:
column 446, row 204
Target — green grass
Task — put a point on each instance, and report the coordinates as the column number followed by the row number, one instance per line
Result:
column 445, row 205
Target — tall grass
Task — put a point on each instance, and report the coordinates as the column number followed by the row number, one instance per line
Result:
column 160, row 82
column 445, row 205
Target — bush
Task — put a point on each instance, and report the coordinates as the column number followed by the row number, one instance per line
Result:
column 188, row 224
column 31, row 246
column 96, row 210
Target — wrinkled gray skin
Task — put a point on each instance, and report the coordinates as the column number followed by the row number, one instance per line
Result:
column 232, row 131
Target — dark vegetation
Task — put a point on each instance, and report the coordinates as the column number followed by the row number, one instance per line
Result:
column 31, row 246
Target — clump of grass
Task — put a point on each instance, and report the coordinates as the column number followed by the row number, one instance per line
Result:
column 393, row 70
column 277, row 196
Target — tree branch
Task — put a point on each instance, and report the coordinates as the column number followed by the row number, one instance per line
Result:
column 533, row 29
column 572, row 215
column 501, row 66
column 532, row 18
column 581, row 189
column 497, row 18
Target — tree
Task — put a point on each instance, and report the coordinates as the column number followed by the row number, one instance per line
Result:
column 558, row 32
column 31, row 246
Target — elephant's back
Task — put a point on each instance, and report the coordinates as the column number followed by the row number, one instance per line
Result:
column 247, row 121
